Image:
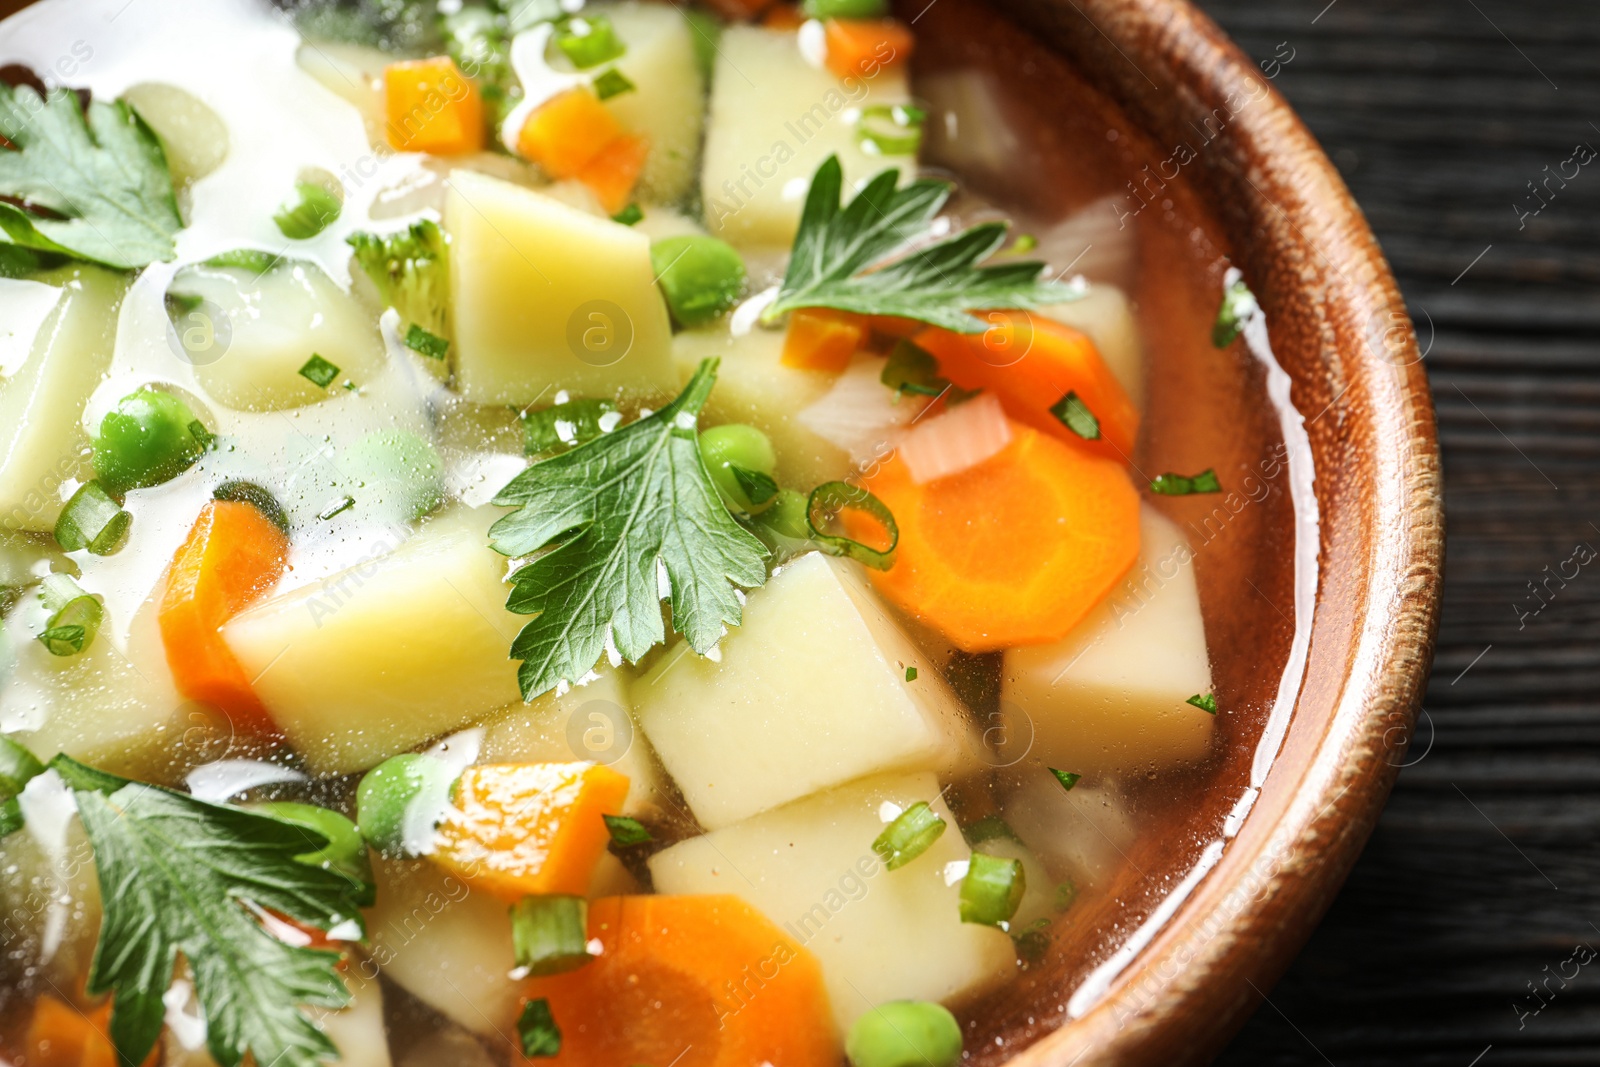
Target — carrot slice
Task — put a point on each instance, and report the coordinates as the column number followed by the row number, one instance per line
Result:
column 526, row 829
column 821, row 339
column 432, row 107
column 567, row 132
column 859, row 48
column 231, row 557
column 1013, row 551
column 59, row 1035
column 1031, row 363
column 694, row 981
column 614, row 171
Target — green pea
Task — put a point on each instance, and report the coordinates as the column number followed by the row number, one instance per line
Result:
column 905, row 1033
column 398, row 469
column 398, row 796
column 346, row 850
column 787, row 516
column 149, row 439
column 741, row 462
column 701, row 277
column 844, row 9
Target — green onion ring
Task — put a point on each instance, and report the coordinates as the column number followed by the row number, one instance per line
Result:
column 830, row 498
column 891, row 129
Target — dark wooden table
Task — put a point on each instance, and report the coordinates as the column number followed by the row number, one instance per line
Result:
column 1470, row 929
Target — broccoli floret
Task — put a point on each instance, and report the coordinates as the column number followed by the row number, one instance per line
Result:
column 410, row 269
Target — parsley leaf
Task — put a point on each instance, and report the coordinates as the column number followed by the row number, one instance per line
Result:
column 626, row 832
column 1170, row 484
column 1206, row 702
column 98, row 185
column 939, row 283
column 1238, row 305
column 537, row 1028
column 1068, row 779
column 1075, row 415
column 178, row 874
column 634, row 518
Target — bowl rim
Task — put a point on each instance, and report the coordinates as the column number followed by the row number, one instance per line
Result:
column 1288, row 213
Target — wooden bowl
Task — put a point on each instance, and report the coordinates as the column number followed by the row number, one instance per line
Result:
column 1275, row 207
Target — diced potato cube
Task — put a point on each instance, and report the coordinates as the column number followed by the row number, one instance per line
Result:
column 1112, row 695
column 774, row 118
column 41, row 406
column 668, row 104
column 810, row 692
column 587, row 722
column 880, row 935
column 275, row 321
column 389, row 653
column 446, row 944
column 548, row 297
column 1079, row 834
column 1104, row 314
column 753, row 386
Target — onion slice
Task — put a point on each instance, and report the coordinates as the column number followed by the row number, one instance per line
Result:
column 961, row 438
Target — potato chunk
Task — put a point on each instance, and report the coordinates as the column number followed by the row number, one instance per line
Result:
column 389, row 653
column 774, row 119
column 667, row 104
column 1111, row 695
column 753, row 386
column 41, row 407
column 810, row 692
column 548, row 297
column 880, row 935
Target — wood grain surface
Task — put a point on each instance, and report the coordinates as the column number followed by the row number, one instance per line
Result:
column 1461, row 936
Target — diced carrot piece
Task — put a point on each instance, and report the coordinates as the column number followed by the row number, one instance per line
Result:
column 822, row 339
column 432, row 107
column 567, row 132
column 694, row 981
column 1031, row 363
column 232, row 556
column 59, row 1035
column 783, row 17
column 612, row 174
column 859, row 48
column 1015, row 550
column 528, row 829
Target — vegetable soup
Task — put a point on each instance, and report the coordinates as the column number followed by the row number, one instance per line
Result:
column 609, row 533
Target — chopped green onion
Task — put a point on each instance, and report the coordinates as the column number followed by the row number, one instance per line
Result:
column 905, row 1033
column 550, row 935
column 909, row 836
column 319, row 372
column 346, row 850
column 259, row 496
column 626, row 832
column 1206, row 702
column 313, row 210
column 566, row 426
column 419, row 340
column 630, row 215
column 1170, row 484
column 988, row 828
column 1066, row 893
column 890, row 129
column 911, row 674
column 1238, row 304
column 538, row 1031
column 1075, row 415
column 757, row 486
column 828, row 499
column 75, row 616
column 992, row 889
column 337, row 507
column 590, row 42
column 612, row 83
column 1066, row 778
column 94, row 520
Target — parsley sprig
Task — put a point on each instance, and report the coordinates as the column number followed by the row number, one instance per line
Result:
column 836, row 249
column 619, row 511
column 98, row 184
column 178, row 874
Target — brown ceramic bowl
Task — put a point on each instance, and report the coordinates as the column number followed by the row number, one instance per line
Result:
column 1267, row 200
column 1154, row 75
